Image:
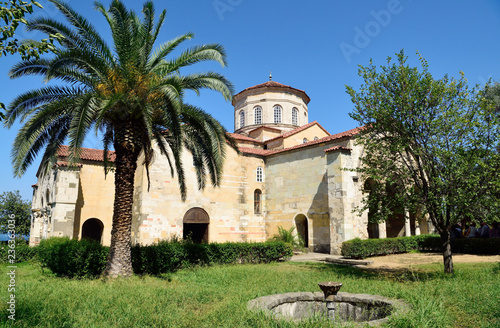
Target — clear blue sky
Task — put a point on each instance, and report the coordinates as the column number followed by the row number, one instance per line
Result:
column 314, row 46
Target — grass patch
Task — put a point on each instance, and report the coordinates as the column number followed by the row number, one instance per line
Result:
column 217, row 296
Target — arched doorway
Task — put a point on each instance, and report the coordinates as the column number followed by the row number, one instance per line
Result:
column 195, row 225
column 302, row 228
column 372, row 227
column 92, row 229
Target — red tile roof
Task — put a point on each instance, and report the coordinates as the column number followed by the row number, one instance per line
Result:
column 274, row 84
column 254, row 151
column 345, row 134
column 65, row 164
column 337, row 148
column 89, row 154
column 238, row 136
column 297, row 130
column 265, row 127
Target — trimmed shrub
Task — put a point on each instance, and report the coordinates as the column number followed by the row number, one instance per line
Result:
column 360, row 249
column 23, row 252
column 168, row 256
column 84, row 258
column 73, row 258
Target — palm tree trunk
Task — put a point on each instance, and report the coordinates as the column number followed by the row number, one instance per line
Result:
column 127, row 151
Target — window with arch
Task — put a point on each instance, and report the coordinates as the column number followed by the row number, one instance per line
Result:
column 315, row 138
column 257, row 201
column 257, row 114
column 277, row 114
column 242, row 118
column 295, row 116
column 260, row 174
column 304, row 140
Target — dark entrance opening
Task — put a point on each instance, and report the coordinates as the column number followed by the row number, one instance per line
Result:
column 373, row 231
column 195, row 225
column 92, row 229
column 302, row 228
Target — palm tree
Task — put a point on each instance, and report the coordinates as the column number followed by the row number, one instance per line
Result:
column 132, row 97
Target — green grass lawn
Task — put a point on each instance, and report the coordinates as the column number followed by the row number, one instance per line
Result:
column 217, row 296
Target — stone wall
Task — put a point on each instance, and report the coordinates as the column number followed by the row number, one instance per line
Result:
column 296, row 185
column 159, row 212
column 96, row 194
column 53, row 204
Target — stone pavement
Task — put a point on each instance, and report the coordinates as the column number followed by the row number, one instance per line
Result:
column 328, row 258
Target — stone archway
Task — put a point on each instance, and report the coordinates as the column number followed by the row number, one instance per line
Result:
column 302, row 228
column 92, row 229
column 195, row 225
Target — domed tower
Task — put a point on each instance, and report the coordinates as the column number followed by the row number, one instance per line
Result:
column 270, row 104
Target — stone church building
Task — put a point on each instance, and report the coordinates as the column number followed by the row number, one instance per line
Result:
column 289, row 173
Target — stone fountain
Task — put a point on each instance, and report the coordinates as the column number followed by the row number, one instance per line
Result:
column 340, row 306
column 330, row 289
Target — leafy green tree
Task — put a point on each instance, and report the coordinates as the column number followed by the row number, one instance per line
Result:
column 492, row 92
column 132, row 95
column 429, row 146
column 13, row 207
column 13, row 13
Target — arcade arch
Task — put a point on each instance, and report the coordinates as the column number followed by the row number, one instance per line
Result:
column 92, row 229
column 195, row 225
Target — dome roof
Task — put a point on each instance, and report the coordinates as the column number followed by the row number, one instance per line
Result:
column 274, row 86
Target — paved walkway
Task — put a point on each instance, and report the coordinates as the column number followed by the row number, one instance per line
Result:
column 327, row 258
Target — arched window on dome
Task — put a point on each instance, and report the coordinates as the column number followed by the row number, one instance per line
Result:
column 295, row 116
column 277, row 114
column 242, row 118
column 257, row 114
column 260, row 174
column 304, row 140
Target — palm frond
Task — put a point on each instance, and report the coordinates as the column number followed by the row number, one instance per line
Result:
column 49, row 26
column 29, row 67
column 47, row 125
column 209, row 80
column 27, row 103
column 83, row 117
column 207, row 52
column 166, row 48
column 86, row 31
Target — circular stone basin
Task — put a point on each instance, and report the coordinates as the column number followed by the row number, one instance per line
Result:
column 362, row 308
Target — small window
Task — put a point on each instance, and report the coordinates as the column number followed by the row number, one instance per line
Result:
column 304, row 140
column 260, row 174
column 295, row 116
column 315, row 138
column 257, row 115
column 257, row 203
column 277, row 114
column 242, row 118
